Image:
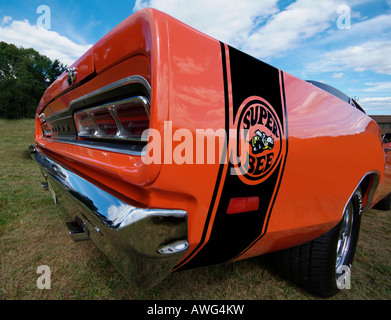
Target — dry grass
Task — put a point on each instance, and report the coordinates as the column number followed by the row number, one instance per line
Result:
column 33, row 233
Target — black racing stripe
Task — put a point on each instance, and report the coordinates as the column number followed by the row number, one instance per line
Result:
column 287, row 144
column 283, row 167
column 221, row 167
column 233, row 233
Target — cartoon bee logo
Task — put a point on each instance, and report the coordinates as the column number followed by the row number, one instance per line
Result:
column 259, row 128
column 71, row 76
column 261, row 142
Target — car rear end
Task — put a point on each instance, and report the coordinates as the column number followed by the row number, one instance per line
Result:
column 92, row 128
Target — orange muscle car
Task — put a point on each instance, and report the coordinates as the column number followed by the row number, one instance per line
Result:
column 172, row 150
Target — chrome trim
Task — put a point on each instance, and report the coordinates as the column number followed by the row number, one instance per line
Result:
column 344, row 237
column 84, row 100
column 110, row 107
column 120, row 83
column 67, row 117
column 177, row 246
column 124, row 86
column 78, row 231
column 99, row 146
column 42, row 118
column 130, row 236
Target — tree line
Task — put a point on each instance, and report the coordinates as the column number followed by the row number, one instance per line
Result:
column 24, row 76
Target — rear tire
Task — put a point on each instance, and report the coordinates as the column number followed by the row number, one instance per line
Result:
column 384, row 204
column 322, row 266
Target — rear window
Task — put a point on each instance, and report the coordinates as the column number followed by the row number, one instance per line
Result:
column 337, row 93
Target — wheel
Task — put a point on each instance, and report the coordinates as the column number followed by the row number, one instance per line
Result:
column 322, row 266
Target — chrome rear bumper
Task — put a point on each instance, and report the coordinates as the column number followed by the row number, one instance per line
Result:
column 144, row 244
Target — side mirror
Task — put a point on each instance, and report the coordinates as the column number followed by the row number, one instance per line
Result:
column 387, row 138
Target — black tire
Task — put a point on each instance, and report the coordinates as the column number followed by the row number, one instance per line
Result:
column 315, row 265
column 384, row 204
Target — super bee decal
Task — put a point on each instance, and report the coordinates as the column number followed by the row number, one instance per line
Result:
column 259, row 128
column 255, row 110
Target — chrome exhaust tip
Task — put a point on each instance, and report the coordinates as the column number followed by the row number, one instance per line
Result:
column 78, row 230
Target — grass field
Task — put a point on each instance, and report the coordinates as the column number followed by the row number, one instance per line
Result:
column 33, row 233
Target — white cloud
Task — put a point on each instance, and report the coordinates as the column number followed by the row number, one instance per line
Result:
column 6, row 20
column 46, row 42
column 377, row 100
column 266, row 31
column 338, row 75
column 376, row 105
column 230, row 21
column 287, row 29
column 365, row 47
column 378, row 86
column 371, row 55
column 256, row 27
column 376, row 27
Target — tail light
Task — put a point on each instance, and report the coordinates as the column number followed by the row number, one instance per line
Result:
column 121, row 120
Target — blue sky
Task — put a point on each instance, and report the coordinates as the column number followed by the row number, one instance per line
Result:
column 346, row 44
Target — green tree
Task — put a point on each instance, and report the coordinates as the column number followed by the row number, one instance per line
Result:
column 24, row 76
